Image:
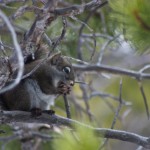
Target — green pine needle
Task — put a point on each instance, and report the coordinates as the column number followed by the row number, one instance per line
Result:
column 134, row 17
column 81, row 139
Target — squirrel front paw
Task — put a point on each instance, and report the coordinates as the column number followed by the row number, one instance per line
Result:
column 63, row 88
column 35, row 112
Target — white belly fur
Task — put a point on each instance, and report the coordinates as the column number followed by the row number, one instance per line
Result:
column 37, row 98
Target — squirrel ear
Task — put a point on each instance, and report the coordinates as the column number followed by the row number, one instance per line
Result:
column 55, row 58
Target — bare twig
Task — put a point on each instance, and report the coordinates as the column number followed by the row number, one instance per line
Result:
column 103, row 49
column 142, row 89
column 144, row 68
column 94, row 47
column 86, row 25
column 78, row 60
column 67, row 106
column 86, row 98
column 6, row 6
column 77, row 105
column 25, row 135
column 81, row 30
column 106, row 95
column 116, row 114
column 6, row 46
column 18, row 52
column 81, row 82
column 6, row 58
column 144, row 98
column 49, row 42
column 24, row 9
column 62, row 33
column 105, row 36
column 119, row 107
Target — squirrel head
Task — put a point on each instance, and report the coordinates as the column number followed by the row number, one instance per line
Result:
column 64, row 65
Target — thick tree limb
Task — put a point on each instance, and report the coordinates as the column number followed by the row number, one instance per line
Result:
column 20, row 116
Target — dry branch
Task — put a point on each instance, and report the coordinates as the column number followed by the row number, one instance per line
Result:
column 78, row 9
column 18, row 52
column 112, row 70
column 48, row 14
column 20, row 116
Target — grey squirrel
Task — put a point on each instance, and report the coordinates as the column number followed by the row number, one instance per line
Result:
column 54, row 77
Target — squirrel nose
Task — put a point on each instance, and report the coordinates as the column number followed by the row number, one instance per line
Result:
column 71, row 83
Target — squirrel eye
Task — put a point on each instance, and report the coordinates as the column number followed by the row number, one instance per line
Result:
column 66, row 70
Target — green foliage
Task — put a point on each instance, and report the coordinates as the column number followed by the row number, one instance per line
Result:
column 82, row 139
column 133, row 16
column 15, row 144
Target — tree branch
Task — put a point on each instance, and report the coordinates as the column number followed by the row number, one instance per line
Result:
column 78, row 9
column 20, row 116
column 112, row 70
column 18, row 53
